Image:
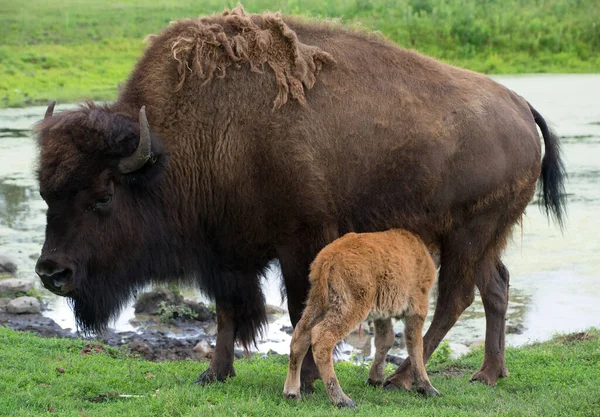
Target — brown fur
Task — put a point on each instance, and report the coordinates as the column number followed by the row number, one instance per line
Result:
column 387, row 139
column 387, row 274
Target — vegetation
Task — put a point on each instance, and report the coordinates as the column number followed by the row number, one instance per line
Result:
column 168, row 311
column 74, row 49
column 75, row 378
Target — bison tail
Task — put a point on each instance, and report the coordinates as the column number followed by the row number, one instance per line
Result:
column 553, row 175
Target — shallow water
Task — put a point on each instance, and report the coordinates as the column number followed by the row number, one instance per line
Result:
column 555, row 283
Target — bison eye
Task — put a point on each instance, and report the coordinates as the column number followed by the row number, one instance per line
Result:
column 104, row 201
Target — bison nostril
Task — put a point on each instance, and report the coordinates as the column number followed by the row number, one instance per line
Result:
column 60, row 278
column 54, row 277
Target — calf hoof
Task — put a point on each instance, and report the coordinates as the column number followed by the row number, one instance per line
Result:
column 211, row 376
column 374, row 383
column 292, row 396
column 345, row 403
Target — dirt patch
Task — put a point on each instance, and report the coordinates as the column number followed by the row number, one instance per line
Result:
column 449, row 372
column 576, row 337
column 92, row 348
column 43, row 326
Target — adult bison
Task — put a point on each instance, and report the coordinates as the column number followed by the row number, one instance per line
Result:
column 240, row 139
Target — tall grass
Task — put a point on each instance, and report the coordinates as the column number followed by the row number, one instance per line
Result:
column 74, row 48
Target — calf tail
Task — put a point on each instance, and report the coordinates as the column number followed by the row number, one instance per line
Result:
column 553, row 175
column 318, row 297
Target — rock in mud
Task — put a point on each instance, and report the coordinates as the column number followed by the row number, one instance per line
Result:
column 24, row 305
column 203, row 349
column 3, row 303
column 396, row 360
column 7, row 265
column 274, row 310
column 287, row 329
column 148, row 302
column 15, row 285
column 210, row 330
column 42, row 326
column 202, row 313
column 515, row 329
column 154, row 303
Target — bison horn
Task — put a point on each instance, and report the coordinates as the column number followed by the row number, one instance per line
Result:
column 50, row 109
column 144, row 150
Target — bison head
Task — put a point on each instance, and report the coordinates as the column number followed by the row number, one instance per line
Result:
column 99, row 173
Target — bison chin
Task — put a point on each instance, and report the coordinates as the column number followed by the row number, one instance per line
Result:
column 95, row 307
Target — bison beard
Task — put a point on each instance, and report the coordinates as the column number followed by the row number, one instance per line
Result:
column 282, row 135
column 95, row 305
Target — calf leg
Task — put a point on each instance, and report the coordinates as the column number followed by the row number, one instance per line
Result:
column 384, row 340
column 493, row 287
column 295, row 261
column 414, row 343
column 325, row 335
column 298, row 348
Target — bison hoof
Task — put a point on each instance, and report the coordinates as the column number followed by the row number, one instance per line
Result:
column 388, row 386
column 374, row 383
column 210, row 376
column 307, row 386
column 428, row 391
column 488, row 376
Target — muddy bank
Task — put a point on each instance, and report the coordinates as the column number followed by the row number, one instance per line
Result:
column 167, row 328
column 151, row 344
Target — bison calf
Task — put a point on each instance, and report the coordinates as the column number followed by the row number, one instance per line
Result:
column 387, row 274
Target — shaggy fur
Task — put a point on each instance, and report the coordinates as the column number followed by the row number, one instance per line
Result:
column 388, row 274
column 381, row 138
column 204, row 48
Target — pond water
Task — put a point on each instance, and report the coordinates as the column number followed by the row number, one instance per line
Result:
column 555, row 278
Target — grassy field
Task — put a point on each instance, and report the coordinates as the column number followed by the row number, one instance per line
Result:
column 75, row 49
column 54, row 377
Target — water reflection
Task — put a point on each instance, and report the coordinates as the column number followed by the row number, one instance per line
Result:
column 14, row 133
column 14, row 210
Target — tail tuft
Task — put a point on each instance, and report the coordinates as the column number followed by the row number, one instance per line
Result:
column 552, row 185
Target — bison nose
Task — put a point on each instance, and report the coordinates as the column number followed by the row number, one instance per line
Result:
column 55, row 278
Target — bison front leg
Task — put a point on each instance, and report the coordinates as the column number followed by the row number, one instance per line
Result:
column 241, row 316
column 494, row 294
column 221, row 364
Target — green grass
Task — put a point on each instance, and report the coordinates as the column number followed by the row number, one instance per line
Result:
column 76, row 49
column 556, row 378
